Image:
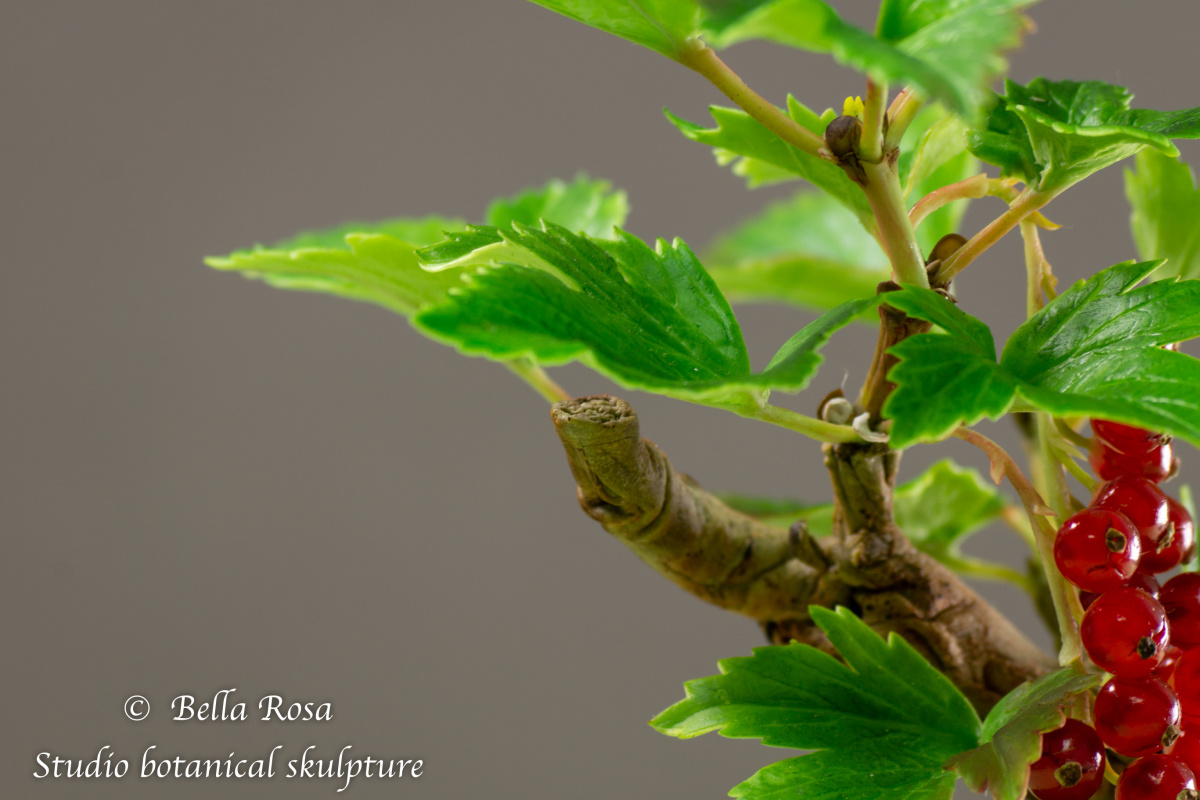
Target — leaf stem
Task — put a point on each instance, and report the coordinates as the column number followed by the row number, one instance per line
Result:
column 870, row 146
column 529, row 371
column 1067, row 608
column 704, row 60
column 970, row 189
column 882, row 187
column 900, row 115
column 1026, row 203
column 988, row 570
column 809, row 426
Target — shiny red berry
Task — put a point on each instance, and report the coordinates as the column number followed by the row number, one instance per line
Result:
column 1166, row 667
column 1140, row 580
column 1154, row 465
column 1137, row 716
column 1071, row 766
column 1175, row 544
column 1127, row 438
column 1187, row 749
column 1144, row 504
column 1125, row 632
column 1157, row 778
column 1185, row 680
column 1180, row 598
column 1097, row 549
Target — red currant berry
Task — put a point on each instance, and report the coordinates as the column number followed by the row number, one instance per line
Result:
column 1144, row 504
column 1154, row 465
column 1157, row 778
column 1185, row 680
column 1097, row 549
column 1166, row 667
column 1127, row 438
column 1071, row 766
column 1187, row 750
column 1125, row 632
column 1180, row 598
column 1137, row 716
column 1140, row 580
column 1175, row 543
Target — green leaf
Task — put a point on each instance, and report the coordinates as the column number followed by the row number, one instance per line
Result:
column 661, row 25
column 884, row 712
column 584, row 206
column 1012, row 733
column 762, row 157
column 555, row 297
column 373, row 267
column 943, row 379
column 376, row 261
column 1054, row 134
column 948, row 49
column 1166, row 213
column 1095, row 351
column 807, row 250
column 870, row 772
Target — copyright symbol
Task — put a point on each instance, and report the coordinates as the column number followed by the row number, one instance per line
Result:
column 137, row 708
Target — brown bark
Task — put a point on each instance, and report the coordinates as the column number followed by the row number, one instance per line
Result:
column 627, row 484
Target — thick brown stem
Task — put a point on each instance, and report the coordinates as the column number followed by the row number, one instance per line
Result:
column 772, row 575
column 898, row 588
column 727, row 558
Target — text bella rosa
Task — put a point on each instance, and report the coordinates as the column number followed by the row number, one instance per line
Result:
column 222, row 708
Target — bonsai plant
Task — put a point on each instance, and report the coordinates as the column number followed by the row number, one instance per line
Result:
column 954, row 688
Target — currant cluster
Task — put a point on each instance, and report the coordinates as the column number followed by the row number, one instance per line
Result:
column 1146, row 635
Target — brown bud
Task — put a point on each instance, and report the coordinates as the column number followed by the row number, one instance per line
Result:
column 842, row 136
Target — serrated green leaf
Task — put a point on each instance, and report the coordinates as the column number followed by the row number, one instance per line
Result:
column 1012, row 733
column 661, row 25
column 373, row 267
column 947, row 49
column 1166, row 213
column 420, row 232
column 885, row 705
column 763, row 157
column 584, row 206
column 376, row 261
column 877, row 769
column 555, row 297
column 1096, row 351
column 956, row 371
column 807, row 250
column 1052, row 134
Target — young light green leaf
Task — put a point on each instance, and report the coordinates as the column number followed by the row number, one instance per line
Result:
column 762, row 157
column 375, row 268
column 1012, row 733
column 1052, row 134
column 884, row 706
column 807, row 250
column 376, row 261
column 556, row 297
column 1166, row 213
column 1095, row 351
column 661, row 25
column 586, row 206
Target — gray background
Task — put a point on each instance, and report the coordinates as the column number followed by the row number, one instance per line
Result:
column 206, row 483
